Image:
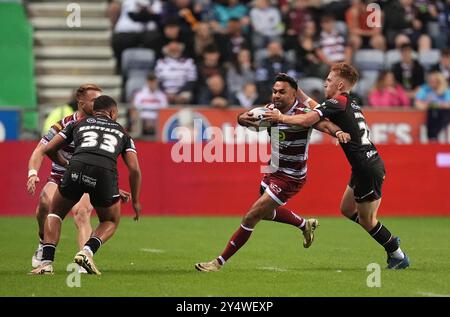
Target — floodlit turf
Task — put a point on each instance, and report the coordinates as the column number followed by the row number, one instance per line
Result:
column 156, row 257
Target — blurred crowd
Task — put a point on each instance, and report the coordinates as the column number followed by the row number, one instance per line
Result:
column 223, row 53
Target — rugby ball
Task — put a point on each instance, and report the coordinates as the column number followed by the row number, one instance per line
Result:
column 259, row 114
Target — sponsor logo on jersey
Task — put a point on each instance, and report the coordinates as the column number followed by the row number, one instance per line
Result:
column 275, row 188
column 371, row 153
column 89, row 181
column 91, row 120
column 355, row 106
column 281, row 136
column 74, row 176
column 333, row 101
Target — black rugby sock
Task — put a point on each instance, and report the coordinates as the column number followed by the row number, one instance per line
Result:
column 94, row 244
column 384, row 237
column 354, row 217
column 48, row 252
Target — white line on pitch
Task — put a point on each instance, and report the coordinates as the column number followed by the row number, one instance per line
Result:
column 153, row 250
column 270, row 268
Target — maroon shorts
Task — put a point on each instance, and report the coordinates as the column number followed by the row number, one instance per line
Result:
column 281, row 187
column 55, row 178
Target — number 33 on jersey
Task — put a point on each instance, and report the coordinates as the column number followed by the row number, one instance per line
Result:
column 101, row 138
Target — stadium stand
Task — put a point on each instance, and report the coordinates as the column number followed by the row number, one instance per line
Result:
column 68, row 56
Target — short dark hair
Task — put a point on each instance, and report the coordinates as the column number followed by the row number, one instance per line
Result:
column 405, row 46
column 346, row 71
column 104, row 102
column 288, row 79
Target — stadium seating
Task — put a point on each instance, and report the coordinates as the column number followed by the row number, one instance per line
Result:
column 393, row 56
column 369, row 60
column 137, row 61
column 132, row 85
column 429, row 58
column 310, row 84
column 259, row 56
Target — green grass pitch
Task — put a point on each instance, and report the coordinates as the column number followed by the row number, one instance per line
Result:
column 156, row 256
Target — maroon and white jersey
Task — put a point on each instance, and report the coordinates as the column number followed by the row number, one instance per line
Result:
column 67, row 150
column 291, row 148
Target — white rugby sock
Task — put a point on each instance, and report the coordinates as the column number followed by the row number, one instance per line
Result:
column 398, row 254
column 88, row 250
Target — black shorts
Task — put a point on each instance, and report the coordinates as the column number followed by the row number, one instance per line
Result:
column 99, row 182
column 367, row 182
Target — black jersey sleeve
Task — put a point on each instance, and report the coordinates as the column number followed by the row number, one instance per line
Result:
column 330, row 108
column 67, row 132
column 128, row 145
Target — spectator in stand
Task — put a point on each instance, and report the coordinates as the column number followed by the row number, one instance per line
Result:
column 233, row 41
column 363, row 35
column 172, row 31
column 444, row 65
column 145, row 105
column 215, row 93
column 203, row 8
column 184, row 13
column 332, row 46
column 435, row 18
column 308, row 63
column 203, row 38
column 296, row 19
column 136, row 26
column 59, row 113
column 177, row 75
column 240, row 72
column 387, row 92
column 248, row 96
column 225, row 10
column 435, row 98
column 403, row 17
column 273, row 64
column 408, row 72
column 210, row 65
column 266, row 22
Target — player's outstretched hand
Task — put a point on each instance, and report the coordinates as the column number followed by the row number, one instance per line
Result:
column 273, row 116
column 124, row 195
column 31, row 184
column 137, row 209
column 248, row 120
column 343, row 137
